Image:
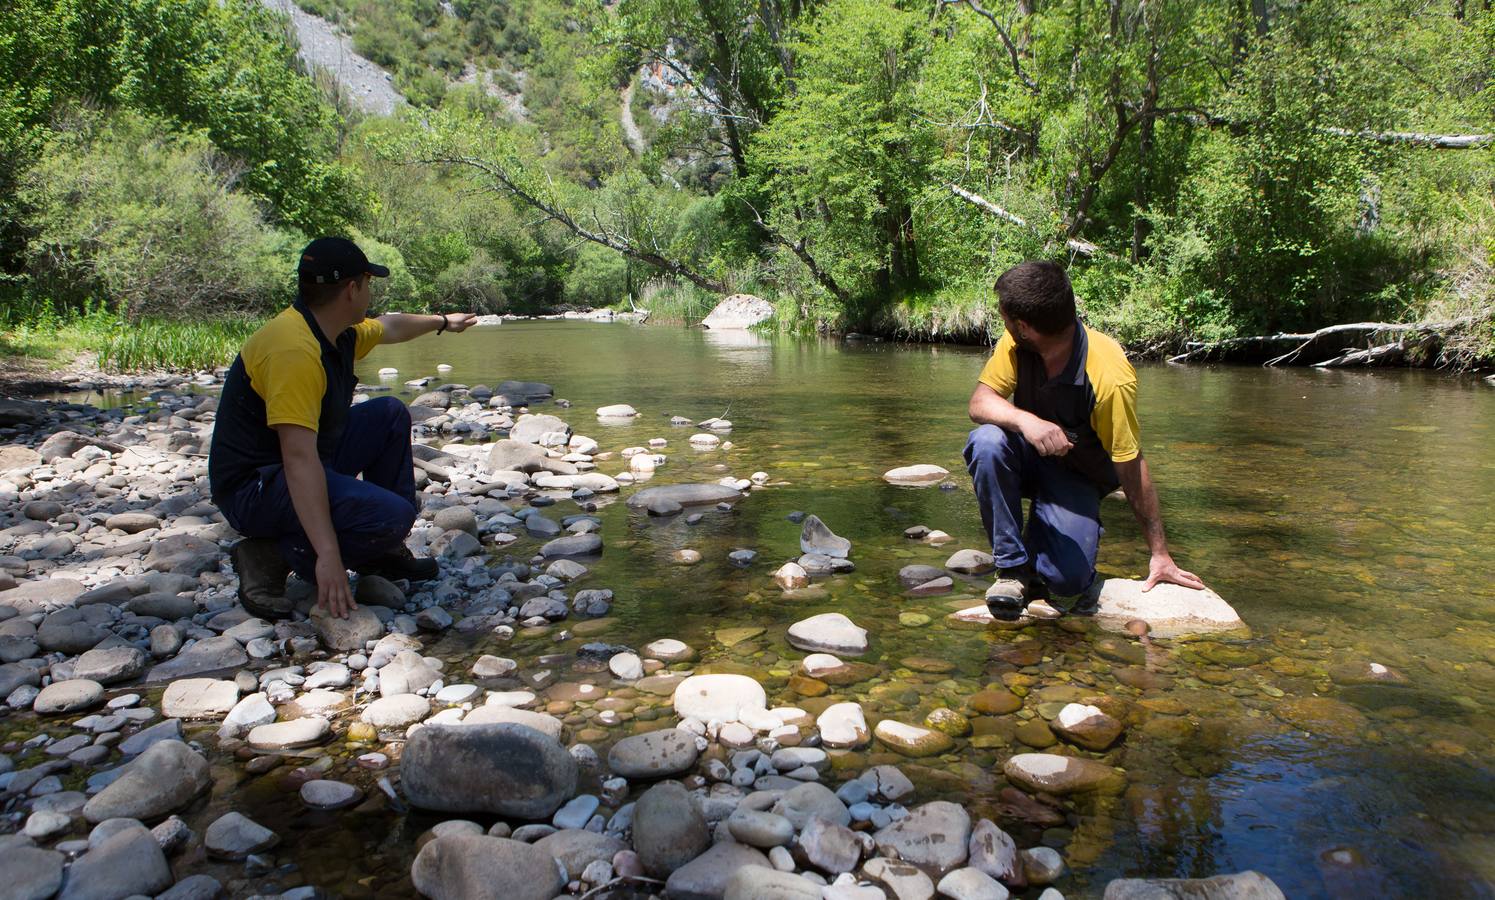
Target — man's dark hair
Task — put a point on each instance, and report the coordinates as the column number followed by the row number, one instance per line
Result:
column 1037, row 292
column 315, row 294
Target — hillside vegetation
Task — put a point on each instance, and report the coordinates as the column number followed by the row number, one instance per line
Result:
column 1207, row 169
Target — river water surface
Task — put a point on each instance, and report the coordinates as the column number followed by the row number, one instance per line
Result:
column 1348, row 517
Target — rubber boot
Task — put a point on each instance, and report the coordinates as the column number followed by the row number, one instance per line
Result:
column 401, row 563
column 262, row 575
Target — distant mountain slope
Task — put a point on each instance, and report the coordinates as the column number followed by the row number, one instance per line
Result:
column 324, row 47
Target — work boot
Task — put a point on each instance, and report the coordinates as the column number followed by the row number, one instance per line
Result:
column 1014, row 589
column 262, row 575
column 401, row 563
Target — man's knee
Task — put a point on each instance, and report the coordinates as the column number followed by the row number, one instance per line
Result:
column 989, row 442
column 378, row 514
column 1070, row 580
column 389, row 409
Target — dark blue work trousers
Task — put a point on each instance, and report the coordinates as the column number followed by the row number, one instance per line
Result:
column 1063, row 530
column 372, row 516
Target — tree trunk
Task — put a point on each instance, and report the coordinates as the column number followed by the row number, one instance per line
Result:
column 1141, row 227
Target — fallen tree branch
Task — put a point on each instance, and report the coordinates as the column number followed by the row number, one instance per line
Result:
column 1414, row 138
column 1083, row 248
column 1327, row 347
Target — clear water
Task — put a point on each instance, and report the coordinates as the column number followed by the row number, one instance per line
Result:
column 1348, row 516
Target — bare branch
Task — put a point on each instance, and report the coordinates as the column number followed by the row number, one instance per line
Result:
column 1017, row 64
column 1083, row 248
column 799, row 249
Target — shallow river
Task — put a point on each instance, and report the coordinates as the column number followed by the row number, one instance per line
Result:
column 1347, row 516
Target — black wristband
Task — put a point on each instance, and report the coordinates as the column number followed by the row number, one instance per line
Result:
column 444, row 323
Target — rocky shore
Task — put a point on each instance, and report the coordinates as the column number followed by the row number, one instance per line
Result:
column 146, row 713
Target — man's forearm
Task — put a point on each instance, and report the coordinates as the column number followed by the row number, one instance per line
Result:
column 307, row 481
column 987, row 407
column 401, row 327
column 1142, row 494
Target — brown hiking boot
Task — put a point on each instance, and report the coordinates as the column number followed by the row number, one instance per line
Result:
column 1013, row 590
column 262, row 575
column 401, row 563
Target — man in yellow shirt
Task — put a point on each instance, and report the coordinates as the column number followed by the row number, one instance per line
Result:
column 288, row 446
column 1056, row 417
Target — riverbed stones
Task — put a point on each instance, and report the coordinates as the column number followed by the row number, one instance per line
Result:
column 108, row 665
column 829, row 633
column 810, row 800
column 1042, row 865
column 303, row 732
column 737, row 312
column 995, row 702
column 496, row 714
column 971, row 884
column 903, row 881
column 397, row 712
column 843, row 726
column 501, row 768
column 235, row 836
column 921, row 475
column 761, row 883
column 1169, row 609
column 912, row 740
column 723, row 698
column 1054, row 774
column 669, row 650
column 572, row 545
column 707, row 875
column 207, row 655
column 458, row 866
column 123, row 861
column 162, row 605
column 971, row 562
column 577, row 848
column 616, row 411
column 1086, row 726
column 74, row 695
column 668, row 829
column 817, row 538
column 994, row 852
column 684, row 495
column 199, row 698
column 68, row 631
column 829, row 847
column 531, row 428
column 30, row 873
column 1248, row 885
column 654, row 754
column 160, row 781
column 344, row 634
column 758, row 828
column 520, row 456
column 325, row 793
column 407, row 673
column 935, row 835
column 1322, row 715
column 489, row 666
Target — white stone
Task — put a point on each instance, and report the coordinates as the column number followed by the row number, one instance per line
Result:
column 1170, row 610
column 843, row 726
column 920, row 475
column 626, row 666
column 829, row 633
column 719, row 697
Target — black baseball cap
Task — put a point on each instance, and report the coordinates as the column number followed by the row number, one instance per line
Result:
column 329, row 259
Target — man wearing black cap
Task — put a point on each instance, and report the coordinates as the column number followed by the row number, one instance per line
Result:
column 288, row 445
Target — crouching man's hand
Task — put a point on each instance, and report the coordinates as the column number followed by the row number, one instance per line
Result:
column 458, row 322
column 1163, row 570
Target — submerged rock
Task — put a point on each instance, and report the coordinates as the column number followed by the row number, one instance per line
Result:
column 654, row 754
column 1246, row 885
column 1060, row 774
column 684, row 495
column 161, row 780
column 911, row 740
column 1086, row 726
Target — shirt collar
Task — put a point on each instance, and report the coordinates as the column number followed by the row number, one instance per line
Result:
column 311, row 322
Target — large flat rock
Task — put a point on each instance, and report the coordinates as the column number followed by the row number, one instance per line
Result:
column 1171, row 610
column 684, row 494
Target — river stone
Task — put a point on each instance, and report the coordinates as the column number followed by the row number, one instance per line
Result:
column 626, row 666
column 459, row 866
column 207, row 655
column 1059, row 774
column 995, row 702
column 162, row 605
column 843, row 726
column 35, row 596
column 67, row 631
column 760, row 829
column 572, row 545
column 706, row 876
column 251, row 712
column 374, row 590
column 323, row 793
column 914, row 575
column 69, row 696
column 183, row 554
column 1042, row 865
column 15, row 456
column 653, row 754
column 1322, row 715
column 577, row 848
column 971, row 562
column 145, row 738
column 921, row 475
column 616, row 411
column 495, row 714
column 971, row 884
column 684, row 494
column 791, row 576
column 351, row 633
column 1248, row 885
column 668, row 829
column 669, row 650
column 531, row 427
column 912, row 740
column 994, row 852
column 235, row 836
column 903, row 881
column 303, row 732
column 762, row 883
column 936, row 836
column 817, row 538
column 505, row 769
column 407, row 673
column 111, row 664
column 30, row 873
column 737, row 312
column 14, row 675
column 489, row 666
column 198, row 698
column 523, row 393
column 1169, row 609
column 829, row 633
column 811, row 800
column 399, row 711
column 161, row 780
column 829, row 847
column 723, row 698
column 132, row 522
column 125, row 862
column 1086, row 726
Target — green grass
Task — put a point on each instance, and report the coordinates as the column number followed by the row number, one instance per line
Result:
column 41, row 333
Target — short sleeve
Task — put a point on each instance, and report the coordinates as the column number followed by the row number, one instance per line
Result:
column 292, row 383
column 1115, row 421
column 368, row 334
column 1000, row 372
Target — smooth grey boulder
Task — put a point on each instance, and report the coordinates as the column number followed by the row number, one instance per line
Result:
column 936, row 836
column 162, row 605
column 576, row 849
column 1248, row 885
column 653, row 754
column 706, row 876
column 235, row 836
column 572, row 545
column 67, row 631
column 502, row 768
column 194, row 887
column 685, row 495
column 123, row 861
column 817, row 537
column 810, row 800
column 110, row 665
column 668, row 830
column 13, row 675
column 30, row 873
column 524, row 392
column 459, row 866
column 73, row 695
column 161, row 780
column 142, row 740
column 344, row 634
column 530, row 428
column 763, row 883
column 520, row 456
column 207, row 655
